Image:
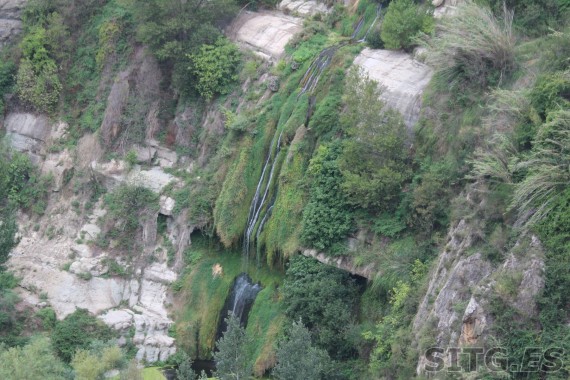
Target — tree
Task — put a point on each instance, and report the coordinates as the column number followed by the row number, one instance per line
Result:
column 324, row 298
column 297, row 358
column 185, row 371
column 33, row 361
column 215, row 67
column 375, row 161
column 233, row 360
column 403, row 21
column 174, row 29
column 327, row 217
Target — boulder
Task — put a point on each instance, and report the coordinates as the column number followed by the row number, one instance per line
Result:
column 166, row 205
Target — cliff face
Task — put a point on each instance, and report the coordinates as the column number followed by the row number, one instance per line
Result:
column 10, row 23
column 457, row 310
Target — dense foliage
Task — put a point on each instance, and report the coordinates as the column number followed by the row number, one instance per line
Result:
column 404, row 20
column 233, row 359
column 324, row 299
column 77, row 332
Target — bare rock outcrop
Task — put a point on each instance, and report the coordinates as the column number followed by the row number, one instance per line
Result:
column 455, row 310
column 303, row 8
column 10, row 22
column 266, row 33
column 345, row 263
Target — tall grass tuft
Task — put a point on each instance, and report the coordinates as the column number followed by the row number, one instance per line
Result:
column 472, row 47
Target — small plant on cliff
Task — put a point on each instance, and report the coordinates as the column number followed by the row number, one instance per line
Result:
column 215, row 67
column 403, row 21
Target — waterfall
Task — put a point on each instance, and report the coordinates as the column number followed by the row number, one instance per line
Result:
column 378, row 12
column 316, row 69
column 239, row 302
column 357, row 29
column 258, row 201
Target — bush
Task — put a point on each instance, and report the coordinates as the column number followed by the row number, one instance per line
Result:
column 374, row 161
column 37, row 80
column 33, row 361
column 403, row 21
column 324, row 299
column 215, row 67
column 78, row 331
column 472, row 47
column 130, row 204
column 327, row 217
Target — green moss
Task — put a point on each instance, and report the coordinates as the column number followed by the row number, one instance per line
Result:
column 203, row 295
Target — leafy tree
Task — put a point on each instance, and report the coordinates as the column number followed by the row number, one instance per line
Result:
column 215, row 67
column 323, row 298
column 233, row 359
column 7, row 70
column 297, row 358
column 33, row 361
column 78, row 331
column 326, row 218
column 91, row 365
column 173, row 29
column 185, row 371
column 403, row 21
column 374, row 161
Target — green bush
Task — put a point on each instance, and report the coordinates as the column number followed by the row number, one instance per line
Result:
column 78, row 331
column 132, row 205
column 215, row 67
column 374, row 162
column 327, row 217
column 403, row 21
column 324, row 299
column 37, row 80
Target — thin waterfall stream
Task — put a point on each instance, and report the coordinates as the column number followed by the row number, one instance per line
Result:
column 260, row 208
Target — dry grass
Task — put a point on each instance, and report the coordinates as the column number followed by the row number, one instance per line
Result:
column 473, row 47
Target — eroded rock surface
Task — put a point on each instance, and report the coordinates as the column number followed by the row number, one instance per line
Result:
column 402, row 77
column 266, row 33
column 303, row 8
column 10, row 23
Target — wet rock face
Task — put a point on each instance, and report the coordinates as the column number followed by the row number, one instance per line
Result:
column 402, row 77
column 10, row 23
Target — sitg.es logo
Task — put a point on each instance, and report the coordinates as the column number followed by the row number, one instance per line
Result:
column 495, row 359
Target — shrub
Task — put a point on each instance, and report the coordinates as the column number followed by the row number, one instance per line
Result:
column 78, row 331
column 215, row 67
column 33, row 361
column 403, row 21
column 37, row 80
column 130, row 204
column 472, row 47
column 323, row 298
column 374, row 161
column 327, row 216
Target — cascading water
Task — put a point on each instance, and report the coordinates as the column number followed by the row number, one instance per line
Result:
column 357, row 28
column 378, row 13
column 316, row 69
column 259, row 201
column 239, row 301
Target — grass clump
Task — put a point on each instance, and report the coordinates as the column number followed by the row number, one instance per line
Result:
column 473, row 47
